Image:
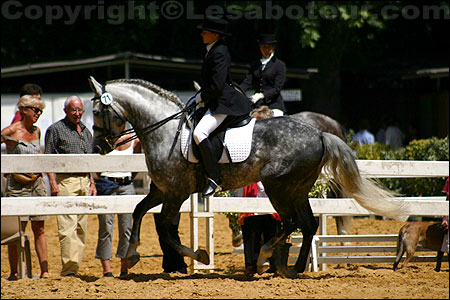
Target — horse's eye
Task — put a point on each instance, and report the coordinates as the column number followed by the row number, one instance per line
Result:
column 96, row 112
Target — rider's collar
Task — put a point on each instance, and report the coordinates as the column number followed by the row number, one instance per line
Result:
column 266, row 60
column 209, row 46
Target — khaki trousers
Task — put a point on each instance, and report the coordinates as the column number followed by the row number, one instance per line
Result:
column 72, row 229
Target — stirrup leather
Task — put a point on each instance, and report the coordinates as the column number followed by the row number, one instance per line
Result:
column 211, row 188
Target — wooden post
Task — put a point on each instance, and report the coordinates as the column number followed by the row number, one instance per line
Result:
column 210, row 233
column 194, row 230
column 208, row 214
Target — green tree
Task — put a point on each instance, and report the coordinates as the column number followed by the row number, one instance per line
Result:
column 362, row 34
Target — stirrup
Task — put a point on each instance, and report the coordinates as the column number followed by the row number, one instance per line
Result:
column 211, row 188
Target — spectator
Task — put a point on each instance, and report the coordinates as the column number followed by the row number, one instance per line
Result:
column 267, row 76
column 23, row 137
column 116, row 183
column 70, row 136
column 257, row 228
column 173, row 262
column 394, row 136
column 363, row 136
column 27, row 89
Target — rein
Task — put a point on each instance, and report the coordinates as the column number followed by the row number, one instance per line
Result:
column 147, row 129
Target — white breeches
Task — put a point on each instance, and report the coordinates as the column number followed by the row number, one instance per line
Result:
column 207, row 124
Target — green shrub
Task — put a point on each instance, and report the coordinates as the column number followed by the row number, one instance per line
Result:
column 432, row 149
column 320, row 189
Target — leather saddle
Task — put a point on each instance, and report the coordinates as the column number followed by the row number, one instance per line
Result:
column 217, row 137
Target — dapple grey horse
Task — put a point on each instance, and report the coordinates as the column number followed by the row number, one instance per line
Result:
column 286, row 156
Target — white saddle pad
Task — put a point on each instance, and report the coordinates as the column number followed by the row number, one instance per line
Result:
column 238, row 141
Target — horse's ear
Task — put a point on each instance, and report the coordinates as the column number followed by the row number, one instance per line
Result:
column 95, row 86
column 197, row 86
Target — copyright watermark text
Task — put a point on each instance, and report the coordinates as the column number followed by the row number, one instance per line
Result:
column 173, row 9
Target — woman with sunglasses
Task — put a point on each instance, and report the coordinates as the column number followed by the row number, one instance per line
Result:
column 23, row 137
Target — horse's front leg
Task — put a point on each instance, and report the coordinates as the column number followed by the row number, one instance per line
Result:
column 168, row 213
column 150, row 201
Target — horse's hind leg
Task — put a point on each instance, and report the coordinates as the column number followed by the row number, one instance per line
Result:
column 343, row 223
column 297, row 214
column 308, row 226
column 343, row 226
column 275, row 248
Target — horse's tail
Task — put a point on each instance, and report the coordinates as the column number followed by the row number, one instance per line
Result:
column 340, row 166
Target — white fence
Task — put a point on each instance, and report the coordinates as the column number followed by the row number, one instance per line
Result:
column 73, row 163
column 384, row 245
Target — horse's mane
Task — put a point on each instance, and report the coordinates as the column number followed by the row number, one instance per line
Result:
column 153, row 87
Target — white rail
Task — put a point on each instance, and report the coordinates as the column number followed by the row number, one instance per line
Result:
column 73, row 163
column 34, row 206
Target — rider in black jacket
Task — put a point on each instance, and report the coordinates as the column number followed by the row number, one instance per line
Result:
column 266, row 76
column 218, row 95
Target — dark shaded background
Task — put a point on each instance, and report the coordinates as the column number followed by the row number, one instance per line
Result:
column 361, row 69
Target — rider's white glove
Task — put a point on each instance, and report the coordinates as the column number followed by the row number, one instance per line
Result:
column 198, row 98
column 256, row 97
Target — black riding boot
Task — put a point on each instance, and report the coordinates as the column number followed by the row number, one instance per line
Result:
column 211, row 167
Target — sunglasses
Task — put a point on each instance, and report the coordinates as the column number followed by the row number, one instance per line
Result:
column 36, row 110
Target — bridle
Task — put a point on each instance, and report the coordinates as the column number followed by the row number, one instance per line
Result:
column 107, row 133
column 110, row 138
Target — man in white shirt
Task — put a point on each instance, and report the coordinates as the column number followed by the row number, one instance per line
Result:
column 363, row 136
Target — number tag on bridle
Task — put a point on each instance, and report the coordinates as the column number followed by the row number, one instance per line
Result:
column 106, row 98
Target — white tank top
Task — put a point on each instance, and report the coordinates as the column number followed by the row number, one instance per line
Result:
column 127, row 151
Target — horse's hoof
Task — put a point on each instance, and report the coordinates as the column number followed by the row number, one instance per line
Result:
column 263, row 267
column 237, row 239
column 202, row 256
column 287, row 272
column 133, row 258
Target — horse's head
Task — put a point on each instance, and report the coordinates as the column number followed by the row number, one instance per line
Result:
column 108, row 119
